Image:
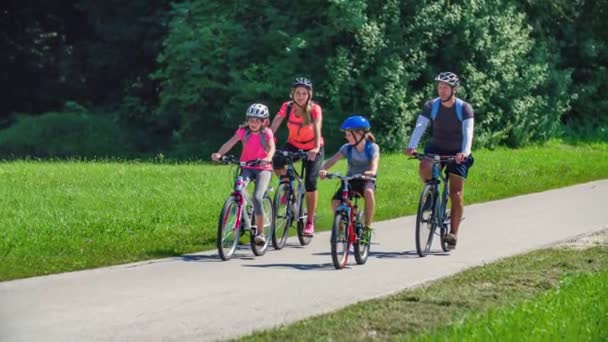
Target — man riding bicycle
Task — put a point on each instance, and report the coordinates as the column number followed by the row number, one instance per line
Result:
column 452, row 123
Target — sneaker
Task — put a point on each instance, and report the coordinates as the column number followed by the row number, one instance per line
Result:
column 366, row 236
column 451, row 241
column 259, row 239
column 309, row 230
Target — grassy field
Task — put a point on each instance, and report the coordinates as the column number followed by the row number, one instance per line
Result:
column 546, row 295
column 70, row 215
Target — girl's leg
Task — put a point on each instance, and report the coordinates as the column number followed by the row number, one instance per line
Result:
column 370, row 206
column 312, row 174
column 261, row 184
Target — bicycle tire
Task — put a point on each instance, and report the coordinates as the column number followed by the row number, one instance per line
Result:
column 444, row 229
column 283, row 216
column 301, row 221
column 361, row 248
column 228, row 232
column 260, row 250
column 340, row 243
column 425, row 225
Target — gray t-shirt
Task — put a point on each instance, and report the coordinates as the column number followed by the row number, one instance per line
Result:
column 359, row 162
column 446, row 129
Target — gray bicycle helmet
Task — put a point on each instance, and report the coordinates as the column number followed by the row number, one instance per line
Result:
column 257, row 110
column 449, row 78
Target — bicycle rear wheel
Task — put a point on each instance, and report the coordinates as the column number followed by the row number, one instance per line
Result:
column 340, row 240
column 228, row 232
column 361, row 247
column 302, row 218
column 425, row 225
column 283, row 216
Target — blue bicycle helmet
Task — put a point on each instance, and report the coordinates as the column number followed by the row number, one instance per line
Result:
column 355, row 122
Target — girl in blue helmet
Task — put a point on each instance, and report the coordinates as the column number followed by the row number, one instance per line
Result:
column 362, row 154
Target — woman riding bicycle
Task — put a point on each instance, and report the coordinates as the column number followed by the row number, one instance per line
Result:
column 258, row 144
column 304, row 120
column 363, row 155
column 451, row 135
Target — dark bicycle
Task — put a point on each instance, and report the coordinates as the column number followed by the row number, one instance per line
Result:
column 348, row 226
column 290, row 202
column 237, row 216
column 432, row 208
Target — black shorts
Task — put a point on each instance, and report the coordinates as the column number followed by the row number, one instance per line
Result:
column 312, row 167
column 461, row 170
column 356, row 186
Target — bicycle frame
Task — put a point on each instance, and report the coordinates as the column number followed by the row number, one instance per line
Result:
column 292, row 173
column 349, row 207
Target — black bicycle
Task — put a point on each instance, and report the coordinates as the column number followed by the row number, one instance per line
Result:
column 432, row 208
column 290, row 202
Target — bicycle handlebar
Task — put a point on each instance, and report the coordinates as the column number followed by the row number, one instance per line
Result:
column 435, row 157
column 229, row 159
column 290, row 156
column 347, row 178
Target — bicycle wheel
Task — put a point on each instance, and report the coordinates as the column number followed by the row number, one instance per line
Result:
column 425, row 225
column 445, row 228
column 228, row 232
column 283, row 216
column 361, row 247
column 260, row 250
column 302, row 218
column 339, row 240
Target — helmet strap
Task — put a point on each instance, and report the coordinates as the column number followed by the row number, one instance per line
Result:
column 357, row 141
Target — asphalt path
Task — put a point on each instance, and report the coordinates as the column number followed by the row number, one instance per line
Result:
column 197, row 297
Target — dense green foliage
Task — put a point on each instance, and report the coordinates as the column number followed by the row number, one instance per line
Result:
column 179, row 75
column 69, row 215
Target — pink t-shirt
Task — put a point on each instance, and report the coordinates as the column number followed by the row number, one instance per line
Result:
column 253, row 148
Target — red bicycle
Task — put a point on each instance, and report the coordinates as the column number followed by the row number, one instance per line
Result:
column 347, row 229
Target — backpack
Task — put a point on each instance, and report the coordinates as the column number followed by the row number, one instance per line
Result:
column 263, row 138
column 368, row 151
column 437, row 102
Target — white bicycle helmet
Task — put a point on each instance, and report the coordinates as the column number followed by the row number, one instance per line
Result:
column 257, row 110
column 449, row 78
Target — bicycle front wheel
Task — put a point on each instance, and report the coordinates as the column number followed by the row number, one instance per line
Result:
column 283, row 216
column 228, row 231
column 363, row 243
column 425, row 225
column 259, row 249
column 302, row 218
column 340, row 240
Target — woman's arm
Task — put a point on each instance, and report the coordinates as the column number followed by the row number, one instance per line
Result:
column 276, row 122
column 316, row 124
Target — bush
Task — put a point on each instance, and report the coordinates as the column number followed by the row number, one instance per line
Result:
column 71, row 133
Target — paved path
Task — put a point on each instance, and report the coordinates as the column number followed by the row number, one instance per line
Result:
column 197, row 297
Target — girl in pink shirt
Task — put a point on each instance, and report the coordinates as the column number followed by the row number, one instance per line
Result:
column 258, row 143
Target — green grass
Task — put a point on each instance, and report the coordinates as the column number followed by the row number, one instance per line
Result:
column 520, row 297
column 71, row 215
column 577, row 310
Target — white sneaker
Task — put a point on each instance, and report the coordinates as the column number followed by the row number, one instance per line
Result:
column 260, row 239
